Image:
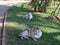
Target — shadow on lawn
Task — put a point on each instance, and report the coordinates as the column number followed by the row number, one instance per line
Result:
column 36, row 22
column 46, row 39
column 15, row 15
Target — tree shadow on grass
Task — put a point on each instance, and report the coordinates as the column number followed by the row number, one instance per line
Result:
column 16, row 13
column 15, row 10
column 46, row 39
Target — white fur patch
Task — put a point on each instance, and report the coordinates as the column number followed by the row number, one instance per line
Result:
column 37, row 35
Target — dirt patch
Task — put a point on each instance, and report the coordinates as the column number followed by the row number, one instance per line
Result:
column 53, row 17
column 37, row 13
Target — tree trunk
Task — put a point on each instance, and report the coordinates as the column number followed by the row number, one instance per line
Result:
column 35, row 8
column 39, row 5
column 45, row 6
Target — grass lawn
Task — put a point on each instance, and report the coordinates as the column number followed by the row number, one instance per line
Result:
column 15, row 23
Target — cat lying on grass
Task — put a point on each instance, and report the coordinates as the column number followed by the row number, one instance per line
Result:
column 28, row 16
column 34, row 33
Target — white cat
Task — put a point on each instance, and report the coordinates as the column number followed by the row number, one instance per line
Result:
column 28, row 16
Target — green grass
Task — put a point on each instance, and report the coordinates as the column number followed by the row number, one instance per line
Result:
column 15, row 23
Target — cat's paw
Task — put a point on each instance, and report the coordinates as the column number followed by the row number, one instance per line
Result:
column 21, row 37
column 35, row 39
